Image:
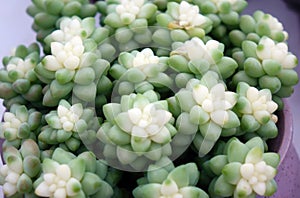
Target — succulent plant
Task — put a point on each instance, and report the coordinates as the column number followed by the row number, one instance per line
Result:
column 129, row 22
column 47, row 13
column 127, row 13
column 244, row 170
column 256, row 110
column 196, row 57
column 74, row 66
column 20, row 124
column 209, row 107
column 67, row 125
column 67, row 175
column 186, row 17
column 22, row 167
column 70, row 27
column 138, row 127
column 140, row 72
column 267, row 64
column 183, row 20
column 170, row 181
column 259, row 25
column 138, row 106
column 18, row 82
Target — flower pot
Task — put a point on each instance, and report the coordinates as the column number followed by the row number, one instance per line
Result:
column 288, row 171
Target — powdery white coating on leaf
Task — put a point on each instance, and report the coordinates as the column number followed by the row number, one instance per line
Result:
column 216, row 102
column 56, row 184
column 199, row 98
column 11, row 178
column 189, row 16
column 169, row 188
column 261, row 104
column 129, row 9
column 274, row 24
column 67, row 55
column 255, row 174
column 149, row 122
column 145, row 57
column 69, row 117
column 22, row 66
column 268, row 49
column 195, row 49
column 12, row 123
column 69, row 28
column 244, row 186
column 9, row 189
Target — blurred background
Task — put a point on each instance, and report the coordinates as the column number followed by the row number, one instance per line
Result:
column 15, row 29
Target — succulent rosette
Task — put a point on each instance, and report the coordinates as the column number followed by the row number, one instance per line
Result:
column 47, row 13
column 209, row 107
column 19, row 124
column 259, row 25
column 268, row 65
column 18, row 81
column 244, row 170
column 128, row 22
column 67, row 175
column 194, row 58
column 140, row 72
column 137, row 130
column 22, row 167
column 256, row 110
column 70, row 27
column 127, row 13
column 183, row 21
column 170, row 181
column 67, row 125
column 74, row 65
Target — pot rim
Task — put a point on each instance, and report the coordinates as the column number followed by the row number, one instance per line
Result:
column 282, row 143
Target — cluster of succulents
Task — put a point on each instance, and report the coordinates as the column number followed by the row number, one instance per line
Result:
column 141, row 103
column 19, row 82
column 267, row 64
column 47, row 13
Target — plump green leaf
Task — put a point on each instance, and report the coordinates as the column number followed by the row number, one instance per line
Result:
column 217, row 163
column 237, row 151
column 231, row 172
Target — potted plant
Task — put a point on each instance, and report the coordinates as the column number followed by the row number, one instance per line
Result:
column 162, row 99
